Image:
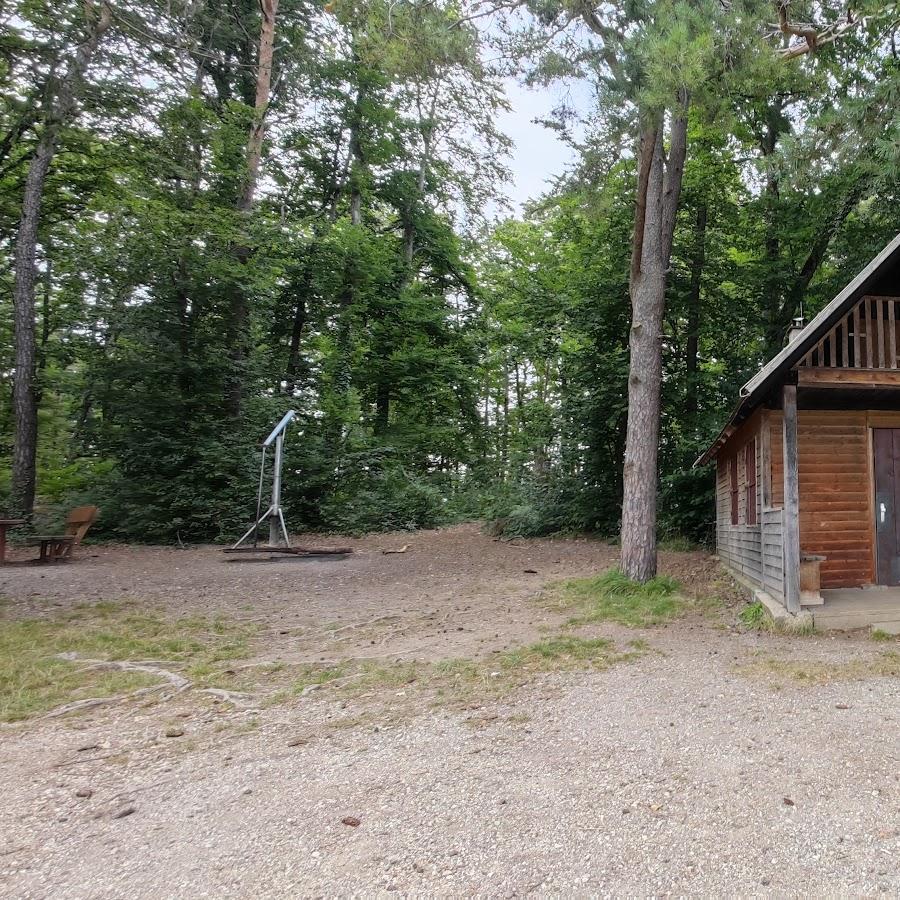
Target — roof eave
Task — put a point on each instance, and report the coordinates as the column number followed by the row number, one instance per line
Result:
column 753, row 392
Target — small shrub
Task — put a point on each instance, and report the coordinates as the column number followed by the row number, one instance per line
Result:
column 382, row 499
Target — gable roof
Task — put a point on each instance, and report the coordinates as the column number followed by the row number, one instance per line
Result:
column 758, row 387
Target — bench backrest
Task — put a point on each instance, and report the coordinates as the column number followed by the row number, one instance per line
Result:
column 79, row 521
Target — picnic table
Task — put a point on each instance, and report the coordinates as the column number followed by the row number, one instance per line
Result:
column 4, row 524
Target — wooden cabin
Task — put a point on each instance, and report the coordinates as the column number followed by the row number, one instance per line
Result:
column 808, row 465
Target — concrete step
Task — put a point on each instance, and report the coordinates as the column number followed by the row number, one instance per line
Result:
column 845, row 620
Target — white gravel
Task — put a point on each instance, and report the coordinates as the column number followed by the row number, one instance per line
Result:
column 673, row 774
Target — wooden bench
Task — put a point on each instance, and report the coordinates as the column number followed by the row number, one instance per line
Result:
column 55, row 547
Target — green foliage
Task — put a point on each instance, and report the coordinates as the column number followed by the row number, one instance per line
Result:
column 443, row 367
column 381, row 497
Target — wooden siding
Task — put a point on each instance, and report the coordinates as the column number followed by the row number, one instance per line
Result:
column 836, row 518
column 773, row 552
column 752, row 552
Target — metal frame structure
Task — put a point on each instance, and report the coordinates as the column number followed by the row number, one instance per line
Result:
column 274, row 514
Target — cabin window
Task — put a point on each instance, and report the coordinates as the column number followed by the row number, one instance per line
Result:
column 733, row 474
column 750, row 469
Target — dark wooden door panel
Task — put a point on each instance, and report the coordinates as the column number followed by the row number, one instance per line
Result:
column 886, row 442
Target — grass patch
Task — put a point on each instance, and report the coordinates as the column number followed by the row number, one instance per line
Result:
column 34, row 680
column 882, row 636
column 817, row 672
column 756, row 617
column 677, row 543
column 612, row 597
column 463, row 680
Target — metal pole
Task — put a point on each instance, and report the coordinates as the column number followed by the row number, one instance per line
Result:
column 259, row 490
column 274, row 518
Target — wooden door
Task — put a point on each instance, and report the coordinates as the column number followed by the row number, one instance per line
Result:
column 886, row 442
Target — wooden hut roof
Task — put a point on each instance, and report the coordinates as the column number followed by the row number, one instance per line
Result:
column 759, row 386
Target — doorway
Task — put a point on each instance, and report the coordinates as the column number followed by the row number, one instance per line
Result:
column 886, row 443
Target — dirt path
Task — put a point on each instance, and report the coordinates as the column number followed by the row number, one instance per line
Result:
column 698, row 767
column 454, row 592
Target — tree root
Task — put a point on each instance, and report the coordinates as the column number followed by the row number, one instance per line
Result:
column 234, row 697
column 179, row 682
column 171, row 679
column 331, row 683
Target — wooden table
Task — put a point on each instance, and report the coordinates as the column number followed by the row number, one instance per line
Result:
column 4, row 524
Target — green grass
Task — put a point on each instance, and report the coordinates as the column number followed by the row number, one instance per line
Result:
column 34, row 680
column 756, row 617
column 612, row 597
column 816, row 672
column 456, row 681
column 882, row 636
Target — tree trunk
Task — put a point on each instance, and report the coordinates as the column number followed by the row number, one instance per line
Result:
column 240, row 305
column 25, row 401
column 504, row 440
column 659, row 188
column 292, row 369
column 382, row 407
column 693, row 323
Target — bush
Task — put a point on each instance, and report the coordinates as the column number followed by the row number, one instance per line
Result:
column 382, row 499
column 553, row 504
column 687, row 504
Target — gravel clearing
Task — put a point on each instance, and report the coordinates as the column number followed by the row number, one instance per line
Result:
column 674, row 773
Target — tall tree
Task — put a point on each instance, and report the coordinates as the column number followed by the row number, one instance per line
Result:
column 60, row 106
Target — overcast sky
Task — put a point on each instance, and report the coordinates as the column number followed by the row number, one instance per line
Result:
column 538, row 154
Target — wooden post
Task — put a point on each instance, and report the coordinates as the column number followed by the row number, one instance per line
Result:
column 791, row 501
column 765, row 459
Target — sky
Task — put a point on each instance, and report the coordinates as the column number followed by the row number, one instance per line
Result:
column 539, row 155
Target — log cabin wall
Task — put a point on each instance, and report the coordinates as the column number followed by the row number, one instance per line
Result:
column 751, row 547
column 836, row 515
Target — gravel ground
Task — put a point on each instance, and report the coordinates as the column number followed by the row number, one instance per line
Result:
column 675, row 773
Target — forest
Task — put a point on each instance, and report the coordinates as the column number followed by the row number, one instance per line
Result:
column 212, row 211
